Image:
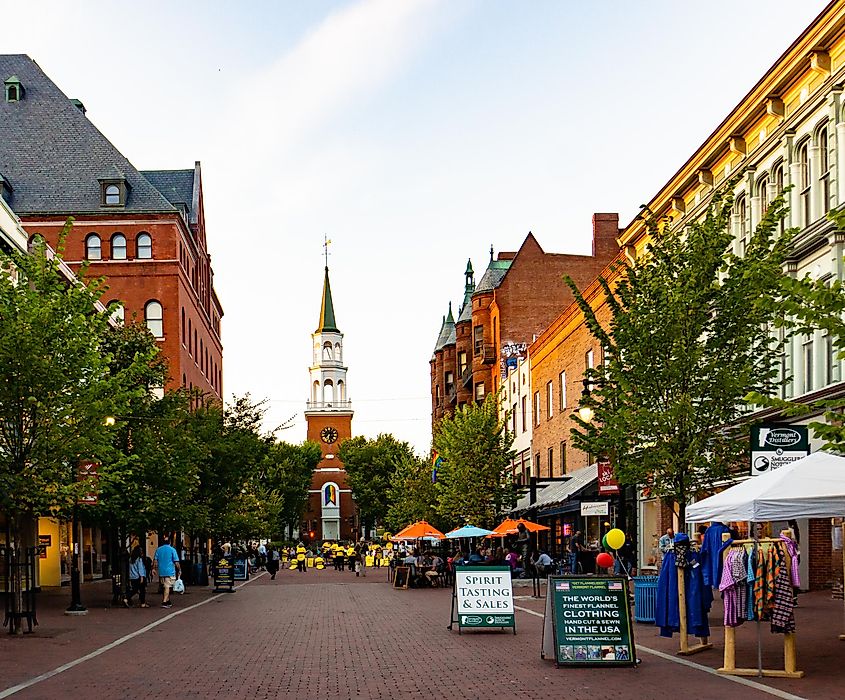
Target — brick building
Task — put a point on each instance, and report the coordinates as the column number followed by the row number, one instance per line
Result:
column 331, row 513
column 144, row 231
column 516, row 298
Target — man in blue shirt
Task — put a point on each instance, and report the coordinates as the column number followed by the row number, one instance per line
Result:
column 167, row 563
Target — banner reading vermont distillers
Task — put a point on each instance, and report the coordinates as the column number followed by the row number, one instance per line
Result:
column 588, row 621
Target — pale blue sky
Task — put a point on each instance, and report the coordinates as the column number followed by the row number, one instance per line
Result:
column 415, row 133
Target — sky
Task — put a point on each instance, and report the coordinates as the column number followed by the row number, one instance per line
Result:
column 414, row 134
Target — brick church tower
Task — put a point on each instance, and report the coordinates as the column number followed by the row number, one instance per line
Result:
column 331, row 510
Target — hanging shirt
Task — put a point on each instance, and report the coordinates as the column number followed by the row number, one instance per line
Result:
column 711, row 554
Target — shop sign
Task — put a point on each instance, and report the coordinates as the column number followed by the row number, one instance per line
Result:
column 44, row 541
column 773, row 446
column 88, row 472
column 607, row 482
column 587, row 622
column 483, row 597
column 241, row 568
column 594, row 508
column 224, row 573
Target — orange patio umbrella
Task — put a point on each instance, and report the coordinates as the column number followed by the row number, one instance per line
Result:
column 417, row 531
column 510, row 527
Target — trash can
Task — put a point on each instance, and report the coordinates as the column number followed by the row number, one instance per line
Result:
column 645, row 598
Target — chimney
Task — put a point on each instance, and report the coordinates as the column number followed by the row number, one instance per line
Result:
column 78, row 104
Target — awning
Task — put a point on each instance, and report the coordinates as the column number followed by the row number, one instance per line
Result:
column 555, row 494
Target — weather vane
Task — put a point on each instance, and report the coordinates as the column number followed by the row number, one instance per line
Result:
column 326, row 243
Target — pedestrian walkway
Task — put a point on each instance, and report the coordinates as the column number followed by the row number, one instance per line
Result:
column 333, row 635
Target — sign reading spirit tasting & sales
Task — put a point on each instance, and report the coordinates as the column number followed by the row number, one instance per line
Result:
column 588, row 622
column 483, row 597
column 773, row 446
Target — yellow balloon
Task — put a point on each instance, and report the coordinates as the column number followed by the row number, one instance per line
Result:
column 615, row 538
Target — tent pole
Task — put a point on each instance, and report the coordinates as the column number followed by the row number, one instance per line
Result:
column 759, row 625
column 842, row 636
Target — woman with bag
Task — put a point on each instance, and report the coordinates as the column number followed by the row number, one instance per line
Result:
column 137, row 579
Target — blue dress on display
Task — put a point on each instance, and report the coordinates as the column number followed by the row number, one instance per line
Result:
column 698, row 596
column 711, row 554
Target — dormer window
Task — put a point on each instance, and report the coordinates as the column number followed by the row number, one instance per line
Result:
column 14, row 89
column 113, row 192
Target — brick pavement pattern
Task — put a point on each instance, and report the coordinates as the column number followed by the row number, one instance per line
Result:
column 331, row 635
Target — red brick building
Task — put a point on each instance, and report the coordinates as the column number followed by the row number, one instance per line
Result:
column 331, row 512
column 144, row 231
column 518, row 296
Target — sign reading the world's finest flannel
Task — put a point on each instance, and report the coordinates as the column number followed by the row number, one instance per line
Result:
column 484, row 596
column 588, row 621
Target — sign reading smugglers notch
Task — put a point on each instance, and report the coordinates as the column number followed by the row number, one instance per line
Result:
column 773, row 446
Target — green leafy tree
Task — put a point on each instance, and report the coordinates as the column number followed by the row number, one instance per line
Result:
column 370, row 464
column 816, row 304
column 57, row 382
column 412, row 494
column 288, row 477
column 475, row 481
column 690, row 335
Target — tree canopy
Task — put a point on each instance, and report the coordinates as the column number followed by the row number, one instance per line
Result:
column 691, row 333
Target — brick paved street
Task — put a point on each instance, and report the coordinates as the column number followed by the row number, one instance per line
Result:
column 330, row 635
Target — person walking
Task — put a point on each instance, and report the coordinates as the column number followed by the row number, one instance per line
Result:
column 300, row 557
column 137, row 579
column 272, row 562
column 166, row 561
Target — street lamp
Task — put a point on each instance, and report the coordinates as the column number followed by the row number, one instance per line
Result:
column 585, row 412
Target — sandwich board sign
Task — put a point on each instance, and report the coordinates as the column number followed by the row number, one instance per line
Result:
column 587, row 622
column 773, row 446
column 483, row 597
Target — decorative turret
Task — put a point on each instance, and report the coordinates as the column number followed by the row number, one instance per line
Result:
column 328, row 374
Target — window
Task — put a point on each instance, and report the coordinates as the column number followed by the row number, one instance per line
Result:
column 562, row 391
column 563, row 457
column 93, row 247
column 824, row 168
column 808, row 365
column 183, row 325
column 462, row 363
column 741, row 211
column 536, row 408
column 524, row 414
column 437, row 398
column 112, row 195
column 804, row 181
column 479, row 391
column 830, row 359
column 144, row 244
column 537, row 465
column 777, row 176
column 551, row 461
column 118, row 247
column 763, row 193
column 549, row 400
column 478, row 339
column 588, row 359
column 154, row 318
column 513, row 419
column 450, row 383
column 327, row 351
column 117, row 314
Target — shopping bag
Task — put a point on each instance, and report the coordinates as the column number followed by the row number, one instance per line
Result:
column 178, row 586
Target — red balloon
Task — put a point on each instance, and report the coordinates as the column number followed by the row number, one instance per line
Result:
column 604, row 560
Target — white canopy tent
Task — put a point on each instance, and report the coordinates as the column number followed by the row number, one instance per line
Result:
column 812, row 487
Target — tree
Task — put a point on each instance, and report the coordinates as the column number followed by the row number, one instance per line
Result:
column 412, row 494
column 57, row 381
column 370, row 464
column 690, row 335
column 475, row 482
column 288, row 477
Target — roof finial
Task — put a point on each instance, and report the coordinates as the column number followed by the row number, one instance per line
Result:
column 491, row 252
column 326, row 243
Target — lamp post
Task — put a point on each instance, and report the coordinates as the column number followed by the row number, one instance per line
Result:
column 76, row 607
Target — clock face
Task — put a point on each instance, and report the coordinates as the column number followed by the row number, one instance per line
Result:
column 328, row 435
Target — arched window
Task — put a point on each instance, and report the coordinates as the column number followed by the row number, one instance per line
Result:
column 93, row 247
column 763, row 193
column 202, row 366
column 154, row 318
column 341, row 391
column 741, row 211
column 184, row 380
column 117, row 312
column 112, row 194
column 36, row 240
column 337, row 353
column 327, row 351
column 190, row 338
column 824, row 167
column 803, row 183
column 118, row 247
column 328, row 392
column 12, row 93
column 315, row 396
column 183, row 325
column 144, row 244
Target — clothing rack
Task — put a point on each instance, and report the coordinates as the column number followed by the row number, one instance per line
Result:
column 704, row 643
column 790, row 659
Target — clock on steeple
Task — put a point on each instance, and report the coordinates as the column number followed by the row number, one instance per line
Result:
column 331, row 511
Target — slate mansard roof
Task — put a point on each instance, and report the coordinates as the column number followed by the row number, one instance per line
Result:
column 54, row 157
column 177, row 186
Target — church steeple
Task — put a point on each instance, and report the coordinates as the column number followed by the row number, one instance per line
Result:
column 327, row 322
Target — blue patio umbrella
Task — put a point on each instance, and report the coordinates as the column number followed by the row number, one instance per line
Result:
column 468, row 531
